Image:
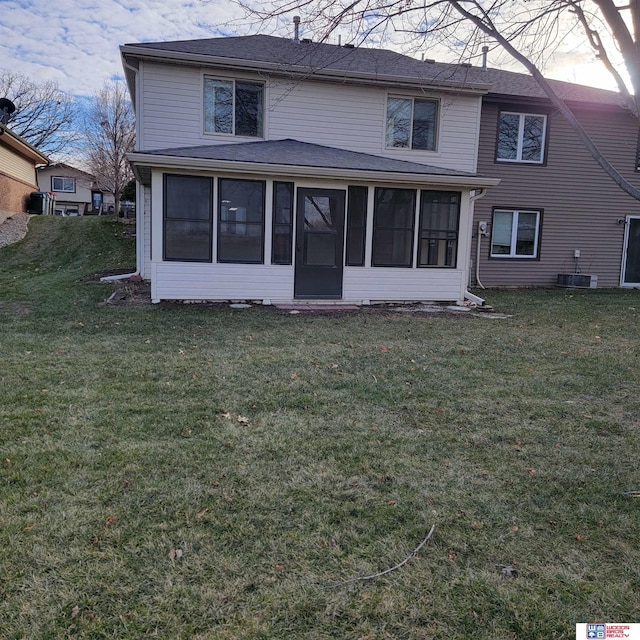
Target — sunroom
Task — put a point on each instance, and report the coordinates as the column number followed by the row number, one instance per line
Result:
column 285, row 221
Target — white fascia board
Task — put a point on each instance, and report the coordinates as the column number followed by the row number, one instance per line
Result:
column 336, row 75
column 296, row 171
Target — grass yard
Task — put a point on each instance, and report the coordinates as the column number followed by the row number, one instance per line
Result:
column 198, row 472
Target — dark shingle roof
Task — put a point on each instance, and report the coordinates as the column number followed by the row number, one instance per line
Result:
column 308, row 57
column 304, row 154
column 510, row 83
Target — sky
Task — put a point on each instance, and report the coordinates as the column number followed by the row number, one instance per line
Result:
column 75, row 42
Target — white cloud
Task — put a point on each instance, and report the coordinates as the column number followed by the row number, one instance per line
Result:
column 76, row 42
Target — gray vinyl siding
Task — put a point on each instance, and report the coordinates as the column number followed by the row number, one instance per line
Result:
column 580, row 204
column 339, row 115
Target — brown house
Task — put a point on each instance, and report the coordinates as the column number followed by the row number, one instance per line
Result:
column 18, row 160
column 555, row 213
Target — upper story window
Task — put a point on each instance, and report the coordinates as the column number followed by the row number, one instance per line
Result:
column 233, row 107
column 521, row 137
column 63, row 184
column 411, row 123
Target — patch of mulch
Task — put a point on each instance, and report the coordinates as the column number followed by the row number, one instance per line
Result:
column 130, row 292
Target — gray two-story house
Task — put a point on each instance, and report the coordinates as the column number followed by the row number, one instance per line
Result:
column 283, row 170
column 279, row 170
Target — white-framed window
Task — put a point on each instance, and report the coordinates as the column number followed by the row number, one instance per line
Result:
column 521, row 137
column 63, row 184
column 233, row 107
column 515, row 233
column 412, row 123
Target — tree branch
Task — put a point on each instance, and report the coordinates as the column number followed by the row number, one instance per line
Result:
column 596, row 44
column 544, row 84
column 400, row 564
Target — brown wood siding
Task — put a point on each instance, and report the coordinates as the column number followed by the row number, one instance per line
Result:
column 580, row 203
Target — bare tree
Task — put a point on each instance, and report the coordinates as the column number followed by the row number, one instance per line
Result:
column 45, row 116
column 110, row 135
column 530, row 31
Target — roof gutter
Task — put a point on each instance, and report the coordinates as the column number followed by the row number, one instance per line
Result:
column 301, row 72
column 262, row 168
column 132, row 81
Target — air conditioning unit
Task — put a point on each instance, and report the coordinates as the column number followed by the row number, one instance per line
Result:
column 577, row 280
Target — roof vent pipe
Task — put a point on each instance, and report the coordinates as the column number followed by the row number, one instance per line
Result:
column 485, row 51
column 296, row 25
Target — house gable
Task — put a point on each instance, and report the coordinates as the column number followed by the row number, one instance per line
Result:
column 18, row 160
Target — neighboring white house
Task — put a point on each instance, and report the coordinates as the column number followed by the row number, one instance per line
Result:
column 76, row 191
column 280, row 170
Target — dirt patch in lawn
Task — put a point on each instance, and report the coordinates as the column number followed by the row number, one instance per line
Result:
column 15, row 308
column 130, row 292
column 136, row 292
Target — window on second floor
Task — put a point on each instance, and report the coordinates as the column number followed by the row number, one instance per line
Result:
column 233, row 107
column 411, row 123
column 63, row 184
column 515, row 233
column 521, row 137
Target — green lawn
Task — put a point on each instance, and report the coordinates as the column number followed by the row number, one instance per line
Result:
column 197, row 472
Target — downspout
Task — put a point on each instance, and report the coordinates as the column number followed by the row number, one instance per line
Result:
column 139, row 218
column 470, row 296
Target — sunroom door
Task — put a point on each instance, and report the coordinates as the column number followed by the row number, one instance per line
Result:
column 631, row 261
column 319, row 243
